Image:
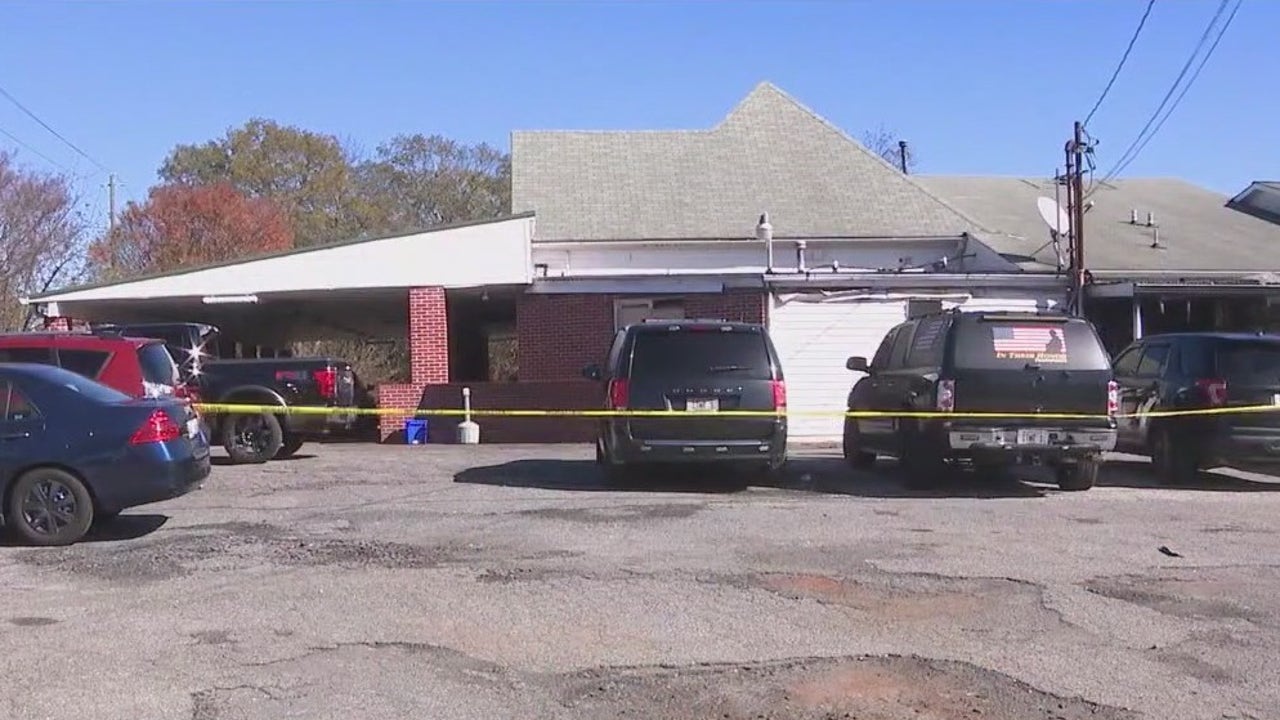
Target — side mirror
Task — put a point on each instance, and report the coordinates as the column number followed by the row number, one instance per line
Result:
column 591, row 372
column 858, row 364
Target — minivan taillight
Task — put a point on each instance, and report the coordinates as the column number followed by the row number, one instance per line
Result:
column 326, row 382
column 1215, row 391
column 1113, row 399
column 946, row 396
column 779, row 395
column 618, row 394
column 158, row 428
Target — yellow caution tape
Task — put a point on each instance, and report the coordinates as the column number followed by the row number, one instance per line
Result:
column 233, row 408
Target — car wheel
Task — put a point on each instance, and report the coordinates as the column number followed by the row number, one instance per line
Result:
column 48, row 506
column 854, row 455
column 291, row 445
column 1174, row 462
column 252, row 438
column 1079, row 475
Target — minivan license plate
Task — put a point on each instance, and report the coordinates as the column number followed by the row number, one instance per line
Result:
column 711, row 405
column 1033, row 437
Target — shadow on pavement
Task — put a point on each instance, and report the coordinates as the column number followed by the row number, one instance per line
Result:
column 1139, row 474
column 121, row 527
column 821, row 475
column 223, row 460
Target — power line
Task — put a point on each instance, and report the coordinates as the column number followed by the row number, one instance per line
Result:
column 55, row 133
column 1204, row 38
column 18, row 140
column 1185, row 88
column 1146, row 13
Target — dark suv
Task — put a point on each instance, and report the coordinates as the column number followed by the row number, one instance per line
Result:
column 986, row 362
column 706, row 370
column 1192, row 371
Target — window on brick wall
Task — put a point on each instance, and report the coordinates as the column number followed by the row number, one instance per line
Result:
column 627, row 311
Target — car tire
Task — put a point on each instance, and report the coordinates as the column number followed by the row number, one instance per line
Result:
column 48, row 507
column 854, row 455
column 1078, row 476
column 1173, row 459
column 252, row 439
column 290, row 446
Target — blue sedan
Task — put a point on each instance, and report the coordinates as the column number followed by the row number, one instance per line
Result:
column 73, row 450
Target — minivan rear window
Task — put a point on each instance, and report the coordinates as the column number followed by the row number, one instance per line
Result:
column 1016, row 343
column 685, row 353
column 157, row 366
column 1253, row 363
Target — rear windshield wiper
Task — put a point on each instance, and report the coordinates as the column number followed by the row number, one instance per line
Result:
column 726, row 368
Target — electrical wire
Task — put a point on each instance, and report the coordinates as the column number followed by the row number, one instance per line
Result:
column 48, row 159
column 1185, row 88
column 1141, row 23
column 55, row 133
column 1204, row 39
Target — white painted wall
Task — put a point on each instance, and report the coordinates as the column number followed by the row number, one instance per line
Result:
column 815, row 335
column 496, row 253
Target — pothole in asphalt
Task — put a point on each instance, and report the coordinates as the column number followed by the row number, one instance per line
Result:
column 883, row 688
column 1227, row 594
column 232, row 545
column 618, row 513
column 909, row 597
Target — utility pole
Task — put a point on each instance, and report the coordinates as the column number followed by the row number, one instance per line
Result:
column 111, row 201
column 1075, row 149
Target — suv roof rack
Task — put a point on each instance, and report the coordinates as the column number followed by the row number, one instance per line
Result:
column 684, row 320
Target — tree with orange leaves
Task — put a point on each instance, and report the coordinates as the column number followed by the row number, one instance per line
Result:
column 182, row 226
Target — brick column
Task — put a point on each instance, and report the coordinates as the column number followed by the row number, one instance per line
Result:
column 428, row 356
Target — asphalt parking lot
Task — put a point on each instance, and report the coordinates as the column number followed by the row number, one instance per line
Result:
column 480, row 582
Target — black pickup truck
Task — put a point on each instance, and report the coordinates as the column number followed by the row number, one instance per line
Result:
column 278, row 382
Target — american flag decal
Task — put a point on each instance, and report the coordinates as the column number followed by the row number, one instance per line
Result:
column 1029, row 341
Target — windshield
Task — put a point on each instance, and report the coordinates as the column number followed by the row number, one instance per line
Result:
column 89, row 388
column 1252, row 363
column 683, row 353
column 1015, row 344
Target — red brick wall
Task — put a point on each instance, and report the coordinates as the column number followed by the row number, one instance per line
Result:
column 558, row 335
column 428, row 356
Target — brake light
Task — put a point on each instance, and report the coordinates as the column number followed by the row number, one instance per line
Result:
column 1113, row 398
column 187, row 392
column 158, row 428
column 1215, row 391
column 326, row 382
column 779, row 395
column 946, row 396
column 618, row 394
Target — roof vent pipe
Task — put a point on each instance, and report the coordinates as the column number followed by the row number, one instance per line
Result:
column 1151, row 219
column 800, row 247
column 1133, row 216
column 764, row 233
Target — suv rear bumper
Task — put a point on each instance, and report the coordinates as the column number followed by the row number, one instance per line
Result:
column 627, row 449
column 997, row 442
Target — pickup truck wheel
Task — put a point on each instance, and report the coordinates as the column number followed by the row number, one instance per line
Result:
column 291, row 445
column 252, row 438
column 48, row 506
column 1078, row 476
column 854, row 455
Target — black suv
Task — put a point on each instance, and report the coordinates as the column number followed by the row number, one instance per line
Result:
column 1191, row 371
column 706, row 370
column 986, row 362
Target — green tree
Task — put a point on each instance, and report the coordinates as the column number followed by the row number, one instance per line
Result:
column 312, row 175
column 417, row 181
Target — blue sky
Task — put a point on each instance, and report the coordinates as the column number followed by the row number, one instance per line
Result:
column 981, row 87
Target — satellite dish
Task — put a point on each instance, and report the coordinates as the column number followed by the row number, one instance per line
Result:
column 1053, row 215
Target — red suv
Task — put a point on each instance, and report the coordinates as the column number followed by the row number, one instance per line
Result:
column 139, row 367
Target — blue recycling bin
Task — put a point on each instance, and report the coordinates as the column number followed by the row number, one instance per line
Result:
column 415, row 431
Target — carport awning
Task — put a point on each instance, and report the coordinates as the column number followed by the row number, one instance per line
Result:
column 495, row 252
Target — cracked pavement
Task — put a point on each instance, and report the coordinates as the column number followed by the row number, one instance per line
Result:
column 479, row 582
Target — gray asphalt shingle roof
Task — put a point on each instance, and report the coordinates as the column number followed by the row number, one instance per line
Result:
column 770, row 154
column 1196, row 228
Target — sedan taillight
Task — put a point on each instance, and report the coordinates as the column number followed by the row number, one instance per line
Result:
column 158, row 428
